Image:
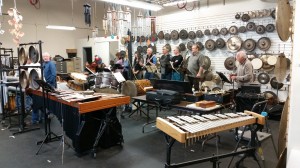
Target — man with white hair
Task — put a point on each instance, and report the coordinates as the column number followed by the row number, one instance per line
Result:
column 50, row 77
column 244, row 71
column 49, row 70
column 150, row 61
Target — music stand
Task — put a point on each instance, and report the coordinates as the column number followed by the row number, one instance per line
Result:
column 223, row 78
column 48, row 138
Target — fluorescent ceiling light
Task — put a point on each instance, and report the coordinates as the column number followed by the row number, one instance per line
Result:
column 178, row 1
column 60, row 27
column 136, row 4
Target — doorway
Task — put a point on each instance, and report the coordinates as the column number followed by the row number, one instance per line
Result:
column 87, row 55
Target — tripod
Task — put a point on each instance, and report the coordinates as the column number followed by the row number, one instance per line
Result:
column 50, row 136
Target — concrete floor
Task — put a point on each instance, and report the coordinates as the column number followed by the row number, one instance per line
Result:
column 140, row 150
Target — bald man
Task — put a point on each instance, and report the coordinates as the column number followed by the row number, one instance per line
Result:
column 244, row 70
column 49, row 70
column 150, row 61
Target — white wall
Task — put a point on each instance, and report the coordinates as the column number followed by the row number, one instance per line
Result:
column 100, row 46
column 55, row 12
column 217, row 15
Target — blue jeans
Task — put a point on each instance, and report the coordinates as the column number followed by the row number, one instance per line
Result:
column 177, row 76
column 149, row 75
column 28, row 102
column 36, row 117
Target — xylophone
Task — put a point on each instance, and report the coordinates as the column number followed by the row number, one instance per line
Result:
column 187, row 129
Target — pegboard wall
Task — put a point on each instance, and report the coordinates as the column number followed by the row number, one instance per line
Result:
column 220, row 16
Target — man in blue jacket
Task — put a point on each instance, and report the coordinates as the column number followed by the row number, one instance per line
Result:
column 49, row 70
column 50, row 77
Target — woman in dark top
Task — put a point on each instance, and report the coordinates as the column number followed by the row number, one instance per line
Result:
column 137, row 65
column 176, row 63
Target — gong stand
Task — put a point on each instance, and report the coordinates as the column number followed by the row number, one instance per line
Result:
column 22, row 128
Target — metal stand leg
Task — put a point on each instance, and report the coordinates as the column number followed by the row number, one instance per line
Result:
column 170, row 142
column 48, row 138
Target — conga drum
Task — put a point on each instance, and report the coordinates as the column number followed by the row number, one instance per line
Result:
column 140, row 85
column 11, row 104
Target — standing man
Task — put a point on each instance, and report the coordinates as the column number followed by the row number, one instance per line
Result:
column 150, row 62
column 50, row 77
column 244, row 71
column 165, row 67
column 49, row 70
column 195, row 64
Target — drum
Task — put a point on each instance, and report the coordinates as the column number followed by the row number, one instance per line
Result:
column 140, row 85
column 105, row 79
column 272, row 60
column 114, row 83
column 257, row 63
column 11, row 104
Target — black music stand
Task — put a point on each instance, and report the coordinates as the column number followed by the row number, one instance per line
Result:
column 48, row 138
column 223, row 78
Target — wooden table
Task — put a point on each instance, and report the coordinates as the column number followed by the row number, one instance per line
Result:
column 182, row 106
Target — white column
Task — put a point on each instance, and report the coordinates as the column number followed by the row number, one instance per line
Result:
column 293, row 143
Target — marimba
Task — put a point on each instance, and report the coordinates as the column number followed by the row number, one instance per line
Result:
column 84, row 120
column 188, row 129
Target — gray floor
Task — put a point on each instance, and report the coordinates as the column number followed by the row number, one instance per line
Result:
column 138, row 151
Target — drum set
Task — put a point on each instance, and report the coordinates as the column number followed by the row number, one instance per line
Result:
column 106, row 79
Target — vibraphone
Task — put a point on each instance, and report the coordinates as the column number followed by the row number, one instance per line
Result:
column 188, row 129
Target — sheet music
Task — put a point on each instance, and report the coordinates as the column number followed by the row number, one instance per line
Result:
column 119, row 77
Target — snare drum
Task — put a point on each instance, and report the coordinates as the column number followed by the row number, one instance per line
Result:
column 104, row 79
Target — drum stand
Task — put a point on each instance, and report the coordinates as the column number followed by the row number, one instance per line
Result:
column 50, row 136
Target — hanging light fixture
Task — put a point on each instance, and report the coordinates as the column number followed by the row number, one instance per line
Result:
column 60, row 27
column 136, row 4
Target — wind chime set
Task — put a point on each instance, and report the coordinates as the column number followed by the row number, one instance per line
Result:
column 116, row 21
column 142, row 25
column 15, row 22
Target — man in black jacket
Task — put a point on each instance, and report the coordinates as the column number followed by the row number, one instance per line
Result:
column 165, row 67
